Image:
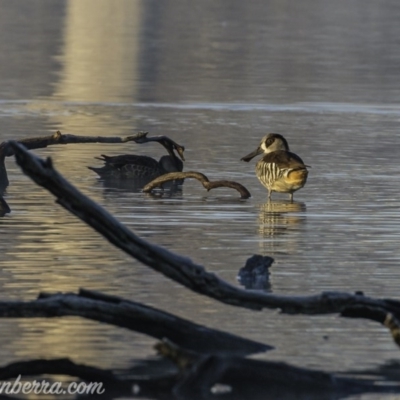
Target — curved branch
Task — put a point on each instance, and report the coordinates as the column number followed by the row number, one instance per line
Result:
column 181, row 269
column 207, row 184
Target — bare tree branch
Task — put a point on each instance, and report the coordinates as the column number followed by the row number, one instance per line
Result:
column 134, row 316
column 207, row 184
column 56, row 138
column 59, row 138
column 181, row 269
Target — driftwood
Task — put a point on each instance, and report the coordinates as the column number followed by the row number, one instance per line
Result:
column 134, row 316
column 207, row 184
column 57, row 138
column 191, row 275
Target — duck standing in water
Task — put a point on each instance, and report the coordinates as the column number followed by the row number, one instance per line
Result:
column 130, row 166
column 279, row 170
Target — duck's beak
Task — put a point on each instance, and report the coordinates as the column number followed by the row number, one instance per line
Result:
column 251, row 155
column 180, row 150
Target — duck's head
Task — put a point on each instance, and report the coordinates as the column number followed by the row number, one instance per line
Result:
column 269, row 143
column 170, row 146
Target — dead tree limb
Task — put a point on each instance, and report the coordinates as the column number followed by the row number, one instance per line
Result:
column 56, row 138
column 59, row 138
column 134, row 316
column 207, row 184
column 181, row 269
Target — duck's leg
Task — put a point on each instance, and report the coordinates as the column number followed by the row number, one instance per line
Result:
column 269, row 194
column 291, row 197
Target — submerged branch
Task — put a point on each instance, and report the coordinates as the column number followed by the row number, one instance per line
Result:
column 181, row 269
column 207, row 184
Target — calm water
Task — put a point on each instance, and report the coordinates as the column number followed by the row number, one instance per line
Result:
column 215, row 77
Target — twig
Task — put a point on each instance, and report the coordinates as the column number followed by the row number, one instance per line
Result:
column 207, row 184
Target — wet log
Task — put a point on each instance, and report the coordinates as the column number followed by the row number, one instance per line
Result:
column 181, row 269
column 207, row 184
column 134, row 316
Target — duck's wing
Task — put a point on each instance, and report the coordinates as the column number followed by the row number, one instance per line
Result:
column 129, row 159
column 128, row 166
column 284, row 159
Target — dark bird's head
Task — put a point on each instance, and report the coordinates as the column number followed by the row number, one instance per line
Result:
column 165, row 141
column 269, row 143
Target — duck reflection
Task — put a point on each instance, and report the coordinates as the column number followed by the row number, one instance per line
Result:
column 114, row 187
column 277, row 217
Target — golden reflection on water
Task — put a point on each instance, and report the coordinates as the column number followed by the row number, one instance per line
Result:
column 278, row 218
column 100, row 55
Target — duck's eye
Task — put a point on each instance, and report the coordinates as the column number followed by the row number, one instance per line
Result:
column 269, row 141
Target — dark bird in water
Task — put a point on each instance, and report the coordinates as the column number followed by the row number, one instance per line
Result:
column 279, row 170
column 142, row 167
column 255, row 274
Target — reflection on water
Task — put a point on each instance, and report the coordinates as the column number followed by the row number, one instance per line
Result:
column 100, row 52
column 214, row 77
column 277, row 218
